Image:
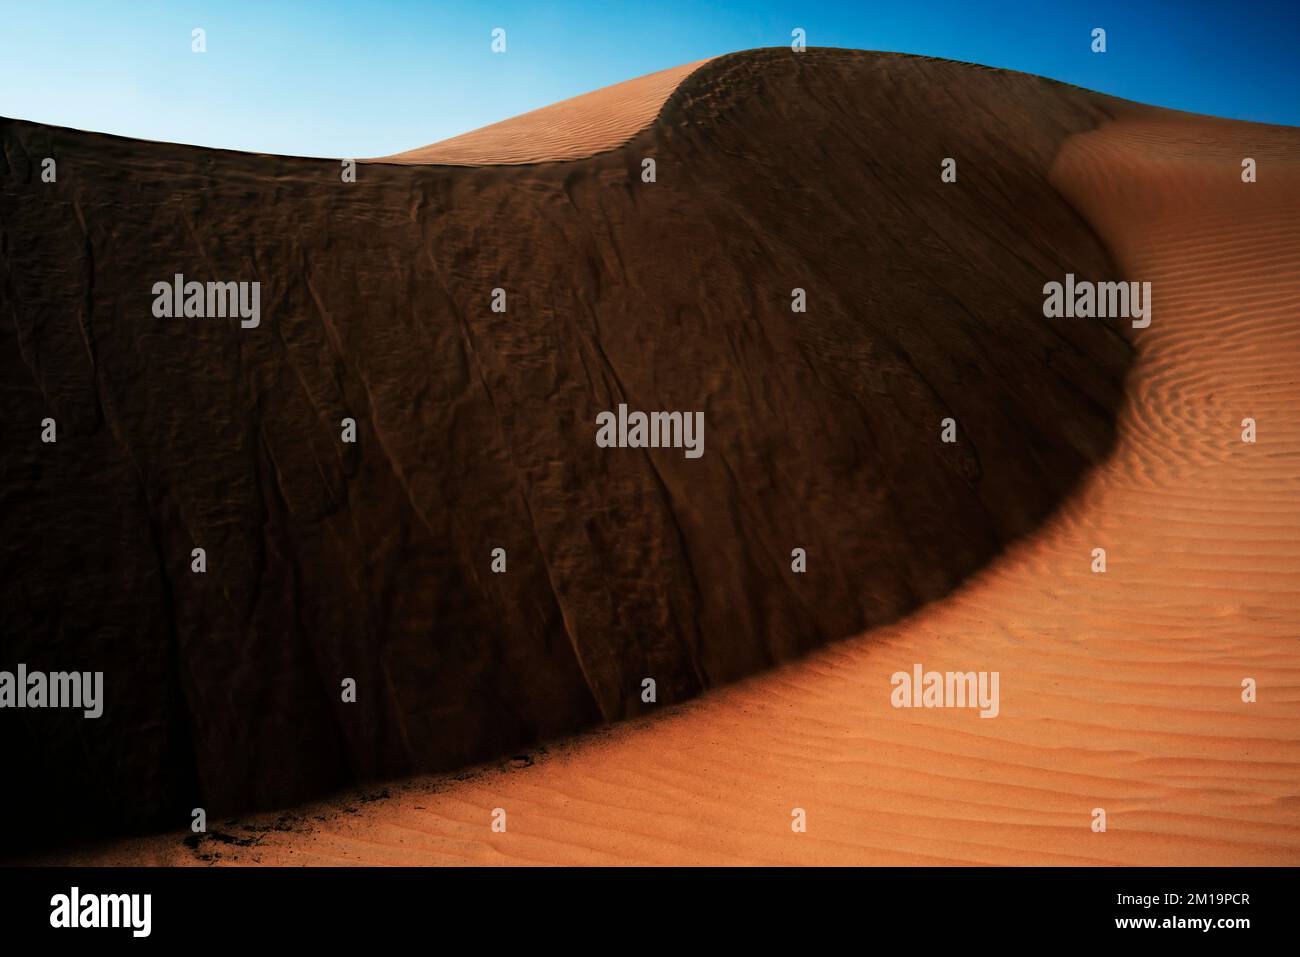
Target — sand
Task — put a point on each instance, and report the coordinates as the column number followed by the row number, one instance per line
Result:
column 571, row 129
column 1118, row 691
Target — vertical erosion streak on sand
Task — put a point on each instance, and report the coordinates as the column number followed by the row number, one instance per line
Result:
column 1119, row 691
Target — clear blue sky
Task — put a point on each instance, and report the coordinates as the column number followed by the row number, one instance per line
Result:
column 373, row 77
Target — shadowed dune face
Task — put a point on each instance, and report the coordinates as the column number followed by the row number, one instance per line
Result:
column 476, row 428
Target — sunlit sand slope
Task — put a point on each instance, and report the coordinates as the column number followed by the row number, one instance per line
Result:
column 571, row 129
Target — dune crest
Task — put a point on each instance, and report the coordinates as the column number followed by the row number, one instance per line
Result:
column 571, row 129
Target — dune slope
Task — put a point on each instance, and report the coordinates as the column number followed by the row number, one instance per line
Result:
column 572, row 129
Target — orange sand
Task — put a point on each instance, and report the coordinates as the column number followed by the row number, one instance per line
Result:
column 571, row 129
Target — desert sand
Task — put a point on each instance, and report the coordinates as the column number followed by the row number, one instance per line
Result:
column 1119, row 690
column 571, row 129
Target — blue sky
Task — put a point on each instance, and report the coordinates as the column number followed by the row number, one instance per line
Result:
column 373, row 77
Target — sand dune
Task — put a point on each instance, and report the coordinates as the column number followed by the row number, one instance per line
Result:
column 571, row 129
column 1119, row 691
column 370, row 562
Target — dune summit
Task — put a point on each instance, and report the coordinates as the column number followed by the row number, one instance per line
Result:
column 571, row 129
column 278, row 610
